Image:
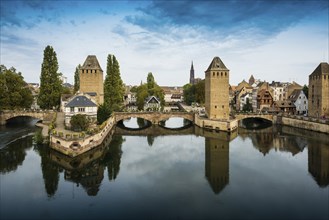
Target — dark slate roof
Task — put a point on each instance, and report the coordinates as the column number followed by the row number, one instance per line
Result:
column 80, row 101
column 216, row 63
column 91, row 63
column 294, row 95
column 323, row 68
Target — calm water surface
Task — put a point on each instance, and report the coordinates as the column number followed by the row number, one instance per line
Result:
column 272, row 173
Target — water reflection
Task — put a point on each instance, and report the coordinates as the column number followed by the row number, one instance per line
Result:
column 217, row 163
column 318, row 161
column 13, row 154
column 86, row 170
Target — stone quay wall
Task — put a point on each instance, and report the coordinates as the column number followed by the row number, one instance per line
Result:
column 305, row 124
column 78, row 146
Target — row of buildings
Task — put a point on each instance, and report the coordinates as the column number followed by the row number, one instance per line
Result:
column 284, row 96
column 221, row 98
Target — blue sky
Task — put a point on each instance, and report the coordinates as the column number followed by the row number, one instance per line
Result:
column 273, row 40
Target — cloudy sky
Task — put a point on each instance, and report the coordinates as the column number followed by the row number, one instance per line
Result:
column 273, row 40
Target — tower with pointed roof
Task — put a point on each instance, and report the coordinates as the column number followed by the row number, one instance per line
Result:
column 318, row 91
column 217, row 90
column 192, row 74
column 91, row 79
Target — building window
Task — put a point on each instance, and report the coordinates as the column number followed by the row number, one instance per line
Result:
column 215, row 106
column 222, row 106
column 81, row 109
column 225, row 73
column 213, row 74
column 72, row 109
column 221, row 74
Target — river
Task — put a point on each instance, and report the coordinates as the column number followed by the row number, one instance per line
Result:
column 271, row 173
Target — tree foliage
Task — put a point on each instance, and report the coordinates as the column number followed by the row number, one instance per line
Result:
column 248, row 106
column 151, row 88
column 103, row 113
column 113, row 85
column 76, row 79
column 79, row 122
column 194, row 93
column 50, row 83
column 305, row 90
column 14, row 91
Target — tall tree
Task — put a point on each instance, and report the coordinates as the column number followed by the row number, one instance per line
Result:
column 113, row 85
column 14, row 92
column 76, row 79
column 50, row 83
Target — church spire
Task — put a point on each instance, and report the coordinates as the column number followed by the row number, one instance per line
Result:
column 192, row 74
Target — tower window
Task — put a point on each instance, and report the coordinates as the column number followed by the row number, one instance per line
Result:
column 221, row 74
column 222, row 106
column 213, row 74
column 217, row 74
column 215, row 106
column 225, row 73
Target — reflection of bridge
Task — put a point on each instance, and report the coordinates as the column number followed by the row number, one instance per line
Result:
column 4, row 116
column 268, row 117
column 154, row 117
column 153, row 130
column 156, row 130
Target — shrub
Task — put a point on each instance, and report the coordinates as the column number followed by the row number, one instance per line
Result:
column 79, row 122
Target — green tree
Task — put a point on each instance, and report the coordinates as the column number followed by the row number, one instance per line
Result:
column 141, row 96
column 200, row 92
column 14, row 91
column 113, row 85
column 103, row 113
column 248, row 106
column 76, row 79
column 189, row 93
column 305, row 90
column 79, row 122
column 50, row 83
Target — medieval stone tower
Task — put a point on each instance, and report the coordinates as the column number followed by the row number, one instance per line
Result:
column 318, row 91
column 217, row 90
column 91, row 79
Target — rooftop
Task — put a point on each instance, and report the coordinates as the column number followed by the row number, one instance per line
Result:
column 216, row 63
column 80, row 101
column 91, row 63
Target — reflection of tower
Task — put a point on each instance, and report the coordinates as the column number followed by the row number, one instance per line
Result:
column 217, row 90
column 192, row 74
column 217, row 163
column 318, row 162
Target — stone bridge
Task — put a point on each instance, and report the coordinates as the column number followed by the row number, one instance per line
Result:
column 268, row 117
column 44, row 115
column 153, row 117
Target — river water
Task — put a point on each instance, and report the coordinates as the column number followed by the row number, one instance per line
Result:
column 271, row 173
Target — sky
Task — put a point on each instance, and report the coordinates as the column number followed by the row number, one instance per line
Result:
column 283, row 40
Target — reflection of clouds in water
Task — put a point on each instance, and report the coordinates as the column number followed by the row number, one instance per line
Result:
column 140, row 159
column 170, row 123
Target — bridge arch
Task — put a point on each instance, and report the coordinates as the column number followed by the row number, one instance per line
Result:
column 5, row 116
column 267, row 117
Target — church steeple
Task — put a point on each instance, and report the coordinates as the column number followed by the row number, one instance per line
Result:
column 192, row 74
